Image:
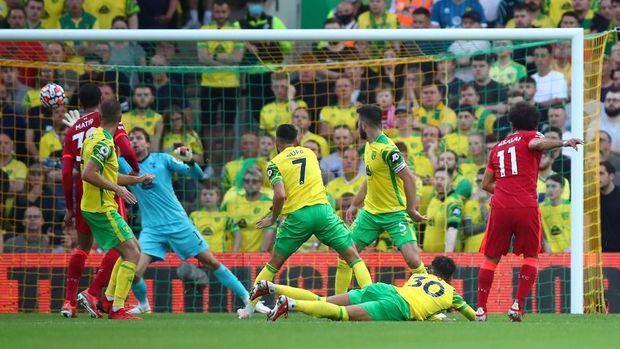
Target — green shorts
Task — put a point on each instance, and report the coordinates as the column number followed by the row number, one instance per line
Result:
column 367, row 228
column 109, row 228
column 319, row 220
column 381, row 302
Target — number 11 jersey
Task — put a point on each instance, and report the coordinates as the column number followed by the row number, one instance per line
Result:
column 515, row 167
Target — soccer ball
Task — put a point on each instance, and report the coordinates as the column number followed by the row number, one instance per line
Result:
column 52, row 95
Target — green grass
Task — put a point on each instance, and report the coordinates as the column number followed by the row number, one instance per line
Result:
column 225, row 331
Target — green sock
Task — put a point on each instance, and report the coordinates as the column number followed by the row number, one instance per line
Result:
column 344, row 273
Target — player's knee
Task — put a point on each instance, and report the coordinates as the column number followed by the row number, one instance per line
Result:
column 413, row 261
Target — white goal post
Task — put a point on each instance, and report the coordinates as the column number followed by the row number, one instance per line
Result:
column 575, row 35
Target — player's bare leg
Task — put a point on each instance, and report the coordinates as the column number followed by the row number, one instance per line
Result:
column 75, row 269
column 411, row 254
column 485, row 281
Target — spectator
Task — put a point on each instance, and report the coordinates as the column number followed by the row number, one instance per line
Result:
column 464, row 48
column 610, row 206
column 266, row 146
column 12, row 124
column 557, row 119
column 77, row 18
column 220, row 89
column 384, row 98
column 615, row 55
column 422, row 18
column 125, row 52
column 193, row 22
column 475, row 214
column 52, row 11
column 246, row 210
column 107, row 10
column 144, row 117
column 561, row 163
column 16, row 91
column 445, row 74
column 492, row 95
column 534, row 10
column 483, row 118
column 527, row 89
column 94, row 73
column 265, row 52
column 343, row 113
column 449, row 13
column 331, row 165
column 426, row 160
column 178, row 132
column 34, row 11
column 545, row 171
column 352, row 178
column 610, row 119
column 432, row 111
column 591, row 22
column 160, row 14
column 248, row 146
column 615, row 78
column 68, row 78
column 477, row 159
column 378, row 17
column 33, row 239
column 345, row 14
column 570, row 19
column 301, row 120
column 334, row 51
column 458, row 141
column 5, row 224
column 281, row 110
column 359, row 7
column 555, row 217
column 361, row 86
column 607, row 83
column 168, row 93
column 505, row 70
column 16, row 172
column 310, row 88
column 448, row 161
column 51, row 144
column 16, row 18
column 38, row 194
column 216, row 226
column 606, row 10
column 606, row 154
column 406, row 134
column 551, row 86
column 444, row 213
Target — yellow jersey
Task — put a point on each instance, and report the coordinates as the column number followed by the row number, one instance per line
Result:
column 386, row 21
column 52, row 11
column 246, row 214
column 469, row 169
column 15, row 170
column 340, row 185
column 275, row 114
column 32, row 99
column 335, row 116
column 556, row 8
column 471, row 210
column 148, row 122
column 423, row 165
column 232, row 168
column 413, row 142
column 298, row 169
column 441, row 213
column 541, row 189
column 556, row 225
column 457, row 142
column 50, row 146
column 106, row 10
column 441, row 115
column 216, row 78
column 428, row 295
column 217, row 227
column 484, row 120
column 386, row 191
column 189, row 139
column 322, row 142
column 541, row 21
column 99, row 148
column 509, row 74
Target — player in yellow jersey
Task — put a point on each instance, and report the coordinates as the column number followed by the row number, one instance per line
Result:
column 388, row 195
column 299, row 195
column 101, row 181
column 420, row 298
column 555, row 217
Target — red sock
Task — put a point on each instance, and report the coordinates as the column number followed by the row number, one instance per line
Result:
column 102, row 276
column 527, row 277
column 485, row 281
column 74, row 273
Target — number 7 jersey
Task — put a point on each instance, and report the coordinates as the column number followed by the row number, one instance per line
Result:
column 515, row 167
column 298, row 169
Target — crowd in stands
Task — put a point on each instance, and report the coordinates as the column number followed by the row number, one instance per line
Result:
column 444, row 116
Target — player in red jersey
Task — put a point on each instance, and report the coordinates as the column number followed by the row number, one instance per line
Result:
column 90, row 98
column 511, row 176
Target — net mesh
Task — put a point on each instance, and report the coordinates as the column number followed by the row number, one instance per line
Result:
column 444, row 103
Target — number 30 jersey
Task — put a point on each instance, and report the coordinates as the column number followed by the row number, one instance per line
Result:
column 299, row 171
column 427, row 295
column 515, row 167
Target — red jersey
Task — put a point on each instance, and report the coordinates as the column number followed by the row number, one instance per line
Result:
column 74, row 139
column 515, row 167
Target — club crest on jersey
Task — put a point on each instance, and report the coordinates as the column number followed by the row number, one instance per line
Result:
column 368, row 173
column 207, row 231
column 373, row 155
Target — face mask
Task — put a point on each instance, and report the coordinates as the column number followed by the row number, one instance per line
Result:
column 344, row 19
column 255, row 9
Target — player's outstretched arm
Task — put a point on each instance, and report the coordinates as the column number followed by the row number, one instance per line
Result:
column 409, row 183
column 133, row 180
column 543, row 144
column 122, row 142
column 356, row 203
column 468, row 312
column 91, row 175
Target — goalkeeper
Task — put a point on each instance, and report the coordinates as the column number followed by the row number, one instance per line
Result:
column 420, row 298
column 164, row 221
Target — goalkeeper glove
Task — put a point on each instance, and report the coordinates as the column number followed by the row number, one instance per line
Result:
column 184, row 154
column 71, row 117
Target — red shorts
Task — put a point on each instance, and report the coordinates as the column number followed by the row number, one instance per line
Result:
column 80, row 223
column 504, row 223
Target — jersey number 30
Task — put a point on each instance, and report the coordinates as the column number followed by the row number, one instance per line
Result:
column 438, row 290
column 513, row 162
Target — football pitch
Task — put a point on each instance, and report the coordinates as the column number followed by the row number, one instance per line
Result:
column 226, row 331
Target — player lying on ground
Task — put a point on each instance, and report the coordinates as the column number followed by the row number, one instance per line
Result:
column 79, row 129
column 299, row 194
column 420, row 298
column 101, row 183
column 164, row 221
column 511, row 176
column 388, row 196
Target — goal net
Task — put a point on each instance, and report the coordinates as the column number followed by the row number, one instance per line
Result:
column 444, row 97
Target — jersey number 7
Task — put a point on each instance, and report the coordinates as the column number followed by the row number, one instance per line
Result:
column 302, row 169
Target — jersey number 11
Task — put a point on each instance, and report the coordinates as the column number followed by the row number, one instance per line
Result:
column 513, row 162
